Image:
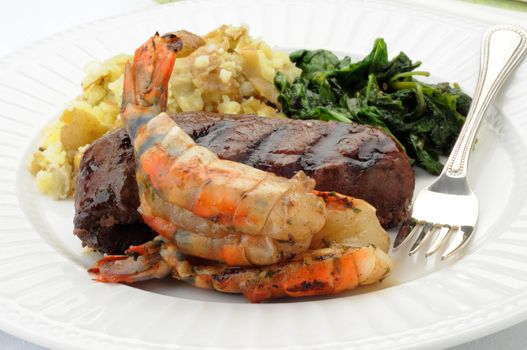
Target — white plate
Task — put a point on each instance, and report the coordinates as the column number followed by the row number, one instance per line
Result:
column 47, row 297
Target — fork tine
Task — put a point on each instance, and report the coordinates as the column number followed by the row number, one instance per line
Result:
column 444, row 233
column 460, row 240
column 425, row 233
column 408, row 229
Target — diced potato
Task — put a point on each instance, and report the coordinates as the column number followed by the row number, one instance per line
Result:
column 202, row 61
column 228, row 106
column 55, row 182
column 255, row 106
column 80, row 128
column 260, row 72
column 191, row 101
column 225, row 75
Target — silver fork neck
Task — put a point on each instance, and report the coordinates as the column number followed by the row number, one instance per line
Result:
column 451, row 185
column 502, row 49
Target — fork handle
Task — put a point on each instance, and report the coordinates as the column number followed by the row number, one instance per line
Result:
column 501, row 50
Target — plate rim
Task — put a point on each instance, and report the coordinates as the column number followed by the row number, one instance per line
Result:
column 462, row 336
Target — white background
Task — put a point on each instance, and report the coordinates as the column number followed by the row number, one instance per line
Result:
column 24, row 22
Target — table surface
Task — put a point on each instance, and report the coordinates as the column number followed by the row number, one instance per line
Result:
column 53, row 16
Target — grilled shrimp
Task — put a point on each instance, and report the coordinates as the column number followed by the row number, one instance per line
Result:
column 188, row 186
column 317, row 272
column 209, row 240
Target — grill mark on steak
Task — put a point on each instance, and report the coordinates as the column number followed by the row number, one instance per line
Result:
column 326, row 144
column 234, row 139
column 282, row 154
column 332, row 168
column 197, row 124
column 352, row 159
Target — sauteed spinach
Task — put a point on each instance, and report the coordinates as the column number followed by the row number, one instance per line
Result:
column 424, row 118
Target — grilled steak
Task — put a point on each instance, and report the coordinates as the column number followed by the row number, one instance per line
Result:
column 352, row 159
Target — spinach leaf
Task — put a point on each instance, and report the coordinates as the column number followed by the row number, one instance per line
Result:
column 314, row 61
column 425, row 119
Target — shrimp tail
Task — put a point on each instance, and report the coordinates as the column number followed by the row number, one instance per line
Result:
column 140, row 263
column 145, row 89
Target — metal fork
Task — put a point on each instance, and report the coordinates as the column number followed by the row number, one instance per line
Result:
column 448, row 208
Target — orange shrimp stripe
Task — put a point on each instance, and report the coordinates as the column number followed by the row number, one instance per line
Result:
column 163, row 227
column 233, row 255
column 156, row 165
column 210, row 202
